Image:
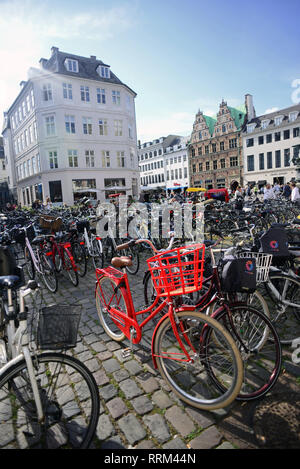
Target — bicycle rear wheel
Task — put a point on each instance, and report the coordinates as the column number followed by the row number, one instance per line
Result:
column 258, row 342
column 48, row 273
column 70, row 401
column 79, row 255
column 70, row 267
column 192, row 381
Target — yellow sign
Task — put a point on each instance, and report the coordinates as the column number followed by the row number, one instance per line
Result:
column 196, row 189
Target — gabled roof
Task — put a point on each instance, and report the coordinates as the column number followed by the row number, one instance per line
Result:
column 271, row 116
column 87, row 67
column 211, row 122
column 238, row 114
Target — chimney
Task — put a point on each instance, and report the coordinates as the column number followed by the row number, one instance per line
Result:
column 54, row 50
column 249, row 107
column 93, row 57
column 42, row 62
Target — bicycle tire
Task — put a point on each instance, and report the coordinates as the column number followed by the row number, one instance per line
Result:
column 48, row 273
column 193, row 383
column 133, row 253
column 259, row 344
column 70, row 267
column 285, row 310
column 71, row 408
column 97, row 254
column 29, row 265
column 107, row 295
column 79, row 255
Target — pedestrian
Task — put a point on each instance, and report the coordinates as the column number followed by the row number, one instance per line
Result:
column 268, row 193
column 238, row 197
column 287, row 190
column 295, row 195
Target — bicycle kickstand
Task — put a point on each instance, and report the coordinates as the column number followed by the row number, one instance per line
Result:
column 128, row 351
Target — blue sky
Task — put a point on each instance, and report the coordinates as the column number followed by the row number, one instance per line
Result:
column 178, row 56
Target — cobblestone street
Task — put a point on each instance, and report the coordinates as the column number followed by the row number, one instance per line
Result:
column 138, row 410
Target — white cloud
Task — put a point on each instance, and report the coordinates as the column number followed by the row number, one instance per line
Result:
column 151, row 127
column 272, row 109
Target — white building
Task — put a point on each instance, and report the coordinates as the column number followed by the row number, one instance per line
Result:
column 269, row 146
column 71, row 131
column 163, row 163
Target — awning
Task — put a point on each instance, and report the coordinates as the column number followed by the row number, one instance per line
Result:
column 196, row 189
column 175, row 187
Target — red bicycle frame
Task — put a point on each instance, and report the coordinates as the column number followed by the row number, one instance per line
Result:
column 62, row 247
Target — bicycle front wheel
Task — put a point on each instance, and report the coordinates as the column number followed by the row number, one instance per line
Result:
column 48, row 273
column 79, row 255
column 70, row 401
column 70, row 267
column 210, row 347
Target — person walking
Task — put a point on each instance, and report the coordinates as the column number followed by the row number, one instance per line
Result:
column 287, row 191
column 295, row 195
column 268, row 193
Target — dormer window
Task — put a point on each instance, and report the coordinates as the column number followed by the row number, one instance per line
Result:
column 293, row 116
column 278, row 120
column 265, row 124
column 103, row 71
column 250, row 128
column 71, row 65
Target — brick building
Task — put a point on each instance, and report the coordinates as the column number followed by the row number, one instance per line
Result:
column 215, row 150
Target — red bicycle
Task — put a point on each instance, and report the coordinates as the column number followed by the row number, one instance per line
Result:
column 188, row 347
column 62, row 257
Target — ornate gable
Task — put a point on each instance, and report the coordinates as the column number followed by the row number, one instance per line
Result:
column 200, row 128
column 225, row 122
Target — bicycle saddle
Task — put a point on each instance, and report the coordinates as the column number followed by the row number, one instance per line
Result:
column 9, row 281
column 122, row 261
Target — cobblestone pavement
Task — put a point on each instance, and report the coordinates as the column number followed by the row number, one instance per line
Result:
column 138, row 410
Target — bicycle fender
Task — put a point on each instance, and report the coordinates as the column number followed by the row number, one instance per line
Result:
column 11, row 363
column 153, row 339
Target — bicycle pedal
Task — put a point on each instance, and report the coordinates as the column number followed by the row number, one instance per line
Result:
column 126, row 352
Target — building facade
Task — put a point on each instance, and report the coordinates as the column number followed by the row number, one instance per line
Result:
column 70, row 132
column 215, row 150
column 164, row 163
column 269, row 144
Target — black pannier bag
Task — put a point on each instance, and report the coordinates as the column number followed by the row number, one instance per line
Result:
column 238, row 275
column 275, row 241
column 83, row 224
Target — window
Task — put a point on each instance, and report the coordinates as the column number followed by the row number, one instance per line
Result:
column 47, row 92
column 34, row 131
column 87, row 125
column 250, row 162
column 105, row 159
column 53, row 159
column 221, row 146
column 73, row 158
column 269, row 138
column 278, row 120
column 215, row 164
column 67, row 91
column 30, row 134
column 185, row 172
column 71, row 65
column 192, row 152
column 38, row 162
column 261, row 140
column 296, row 132
column 102, row 126
column 89, row 158
column 277, row 136
column 264, row 124
column 214, row 147
column 286, row 134
column 103, row 71
column 249, row 142
column 32, row 98
column 250, row 127
column 28, row 104
column 26, row 137
column 33, row 164
column 287, row 157
column 269, row 160
column 118, row 128
column 222, row 161
column 223, row 128
column 277, row 159
column 70, row 124
column 101, row 96
column 207, row 166
column 50, row 125
column 233, row 142
column 130, row 132
column 293, row 116
column 23, row 109
column 85, row 93
column 220, row 183
column 206, row 149
column 233, row 161
column 199, row 151
column 116, row 99
column 261, row 161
